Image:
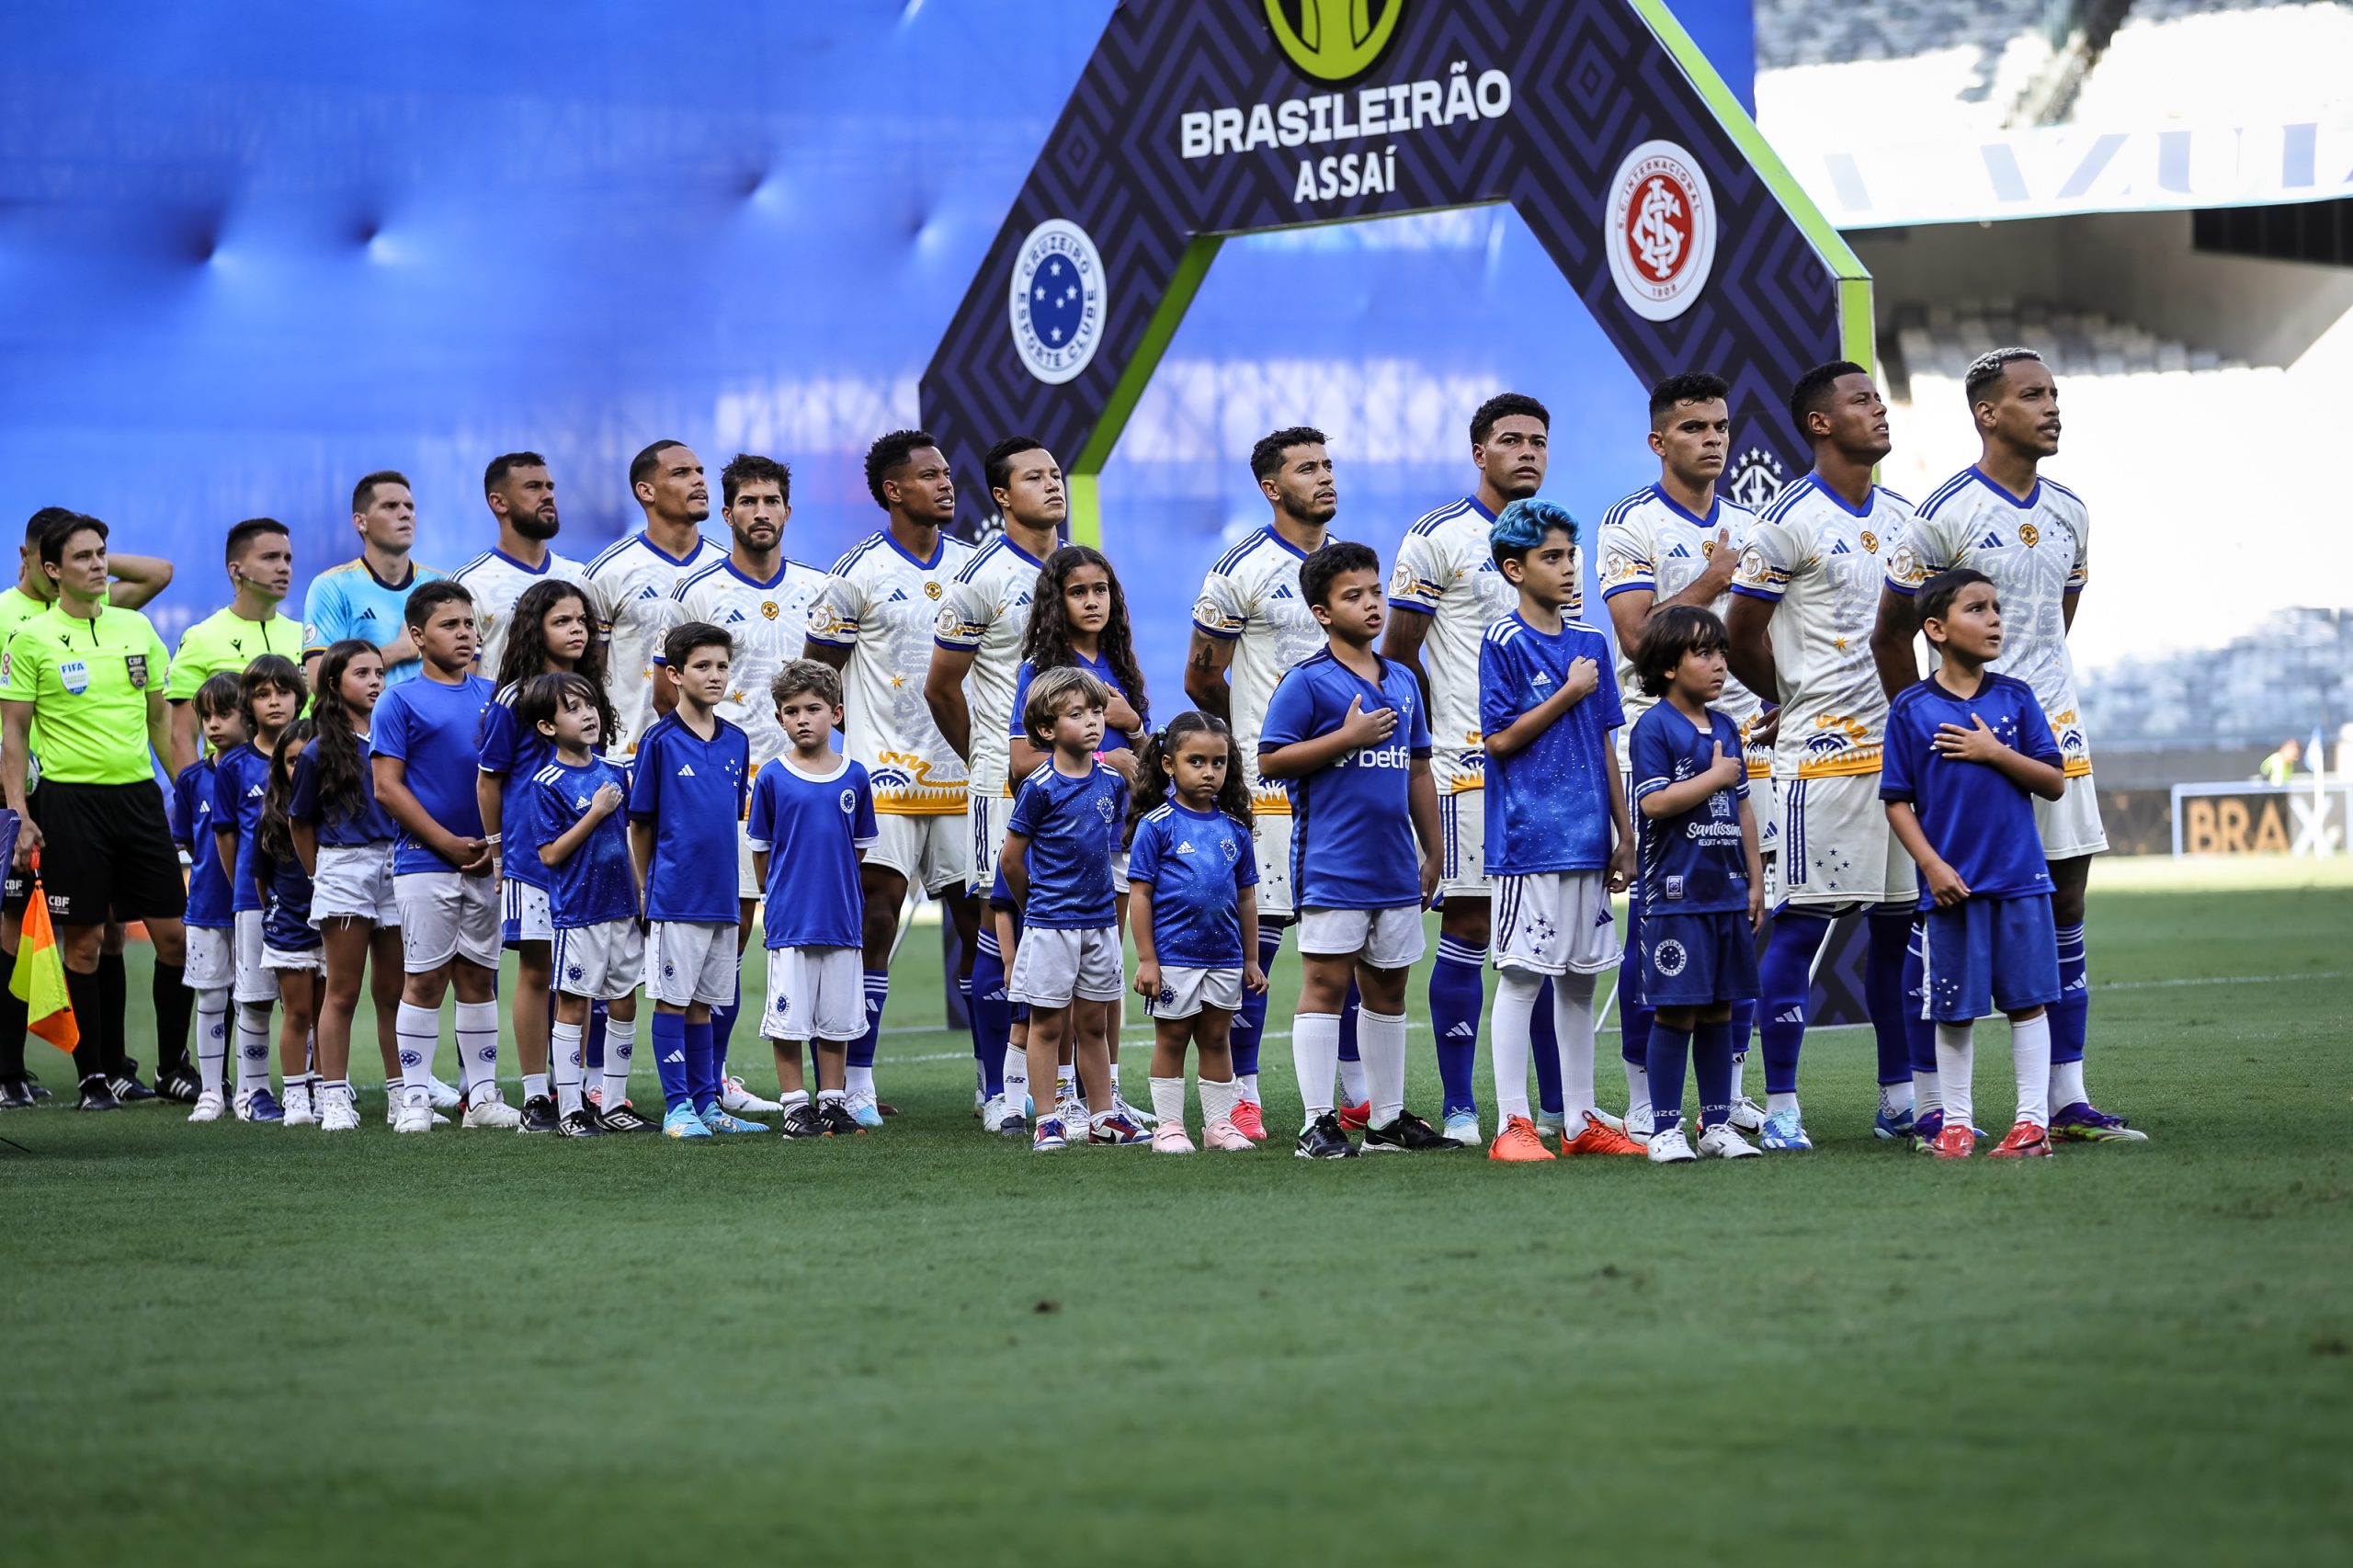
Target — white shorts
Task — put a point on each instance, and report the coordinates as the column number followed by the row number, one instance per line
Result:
column 212, row 959
column 278, row 961
column 747, row 880
column 445, row 915
column 603, row 963
column 1462, row 845
column 1837, row 848
column 1385, row 938
column 1270, row 842
column 354, row 881
column 251, row 982
column 984, row 819
column 932, row 853
column 1051, row 966
column 524, row 914
column 815, row 994
column 1184, row 991
column 2070, row 826
column 687, row 961
column 1555, row 923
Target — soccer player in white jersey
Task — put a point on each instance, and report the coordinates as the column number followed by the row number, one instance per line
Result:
column 975, row 654
column 1252, row 620
column 630, row 585
column 873, row 620
column 2032, row 535
column 1677, row 542
column 1804, row 597
column 520, row 494
column 761, row 599
column 1448, row 591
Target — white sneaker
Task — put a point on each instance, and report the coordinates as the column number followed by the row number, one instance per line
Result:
column 737, row 1100
column 297, row 1106
column 210, row 1105
column 1638, row 1123
column 416, row 1114
column 1670, row 1147
column 1615, row 1123
column 993, row 1114
column 1144, row 1119
column 444, row 1098
column 1721, row 1142
column 393, row 1092
column 1746, row 1114
column 489, row 1110
column 1463, row 1126
column 338, row 1110
column 1074, row 1114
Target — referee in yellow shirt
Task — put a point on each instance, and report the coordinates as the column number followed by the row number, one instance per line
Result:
column 91, row 677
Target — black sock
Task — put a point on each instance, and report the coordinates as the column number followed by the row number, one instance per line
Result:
column 114, row 1001
column 12, row 1024
column 174, row 1005
column 89, row 1051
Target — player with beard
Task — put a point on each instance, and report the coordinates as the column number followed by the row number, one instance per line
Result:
column 874, row 621
column 975, row 656
column 1252, row 620
column 1804, row 597
column 2031, row 535
column 760, row 599
column 1448, row 592
column 520, row 494
column 1677, row 542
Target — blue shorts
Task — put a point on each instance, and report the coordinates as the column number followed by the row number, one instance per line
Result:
column 1988, row 955
column 1694, row 960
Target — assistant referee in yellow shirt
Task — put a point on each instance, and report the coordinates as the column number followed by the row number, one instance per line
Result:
column 91, row 677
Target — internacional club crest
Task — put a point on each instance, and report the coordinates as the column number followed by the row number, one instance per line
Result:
column 1659, row 230
column 1057, row 302
column 1755, row 479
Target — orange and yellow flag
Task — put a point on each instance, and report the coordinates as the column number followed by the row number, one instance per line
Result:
column 40, row 978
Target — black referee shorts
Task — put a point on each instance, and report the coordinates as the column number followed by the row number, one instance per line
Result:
column 107, row 852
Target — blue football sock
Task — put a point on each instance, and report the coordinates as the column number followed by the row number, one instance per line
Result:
column 1889, row 934
column 722, row 1025
column 592, row 1046
column 877, row 993
column 1458, row 993
column 1669, row 1049
column 1784, row 978
column 702, row 1067
column 1919, row 1029
column 2071, row 1016
column 992, row 1012
column 1250, row 1024
column 1711, row 1047
column 1744, row 1020
column 1544, row 1045
column 670, row 1058
column 1633, row 1014
column 1348, row 1011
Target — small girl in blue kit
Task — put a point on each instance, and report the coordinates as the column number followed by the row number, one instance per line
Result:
column 1192, row 886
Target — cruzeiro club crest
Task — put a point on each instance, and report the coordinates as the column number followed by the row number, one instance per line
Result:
column 1057, row 300
column 1334, row 39
column 1755, row 479
column 1660, row 231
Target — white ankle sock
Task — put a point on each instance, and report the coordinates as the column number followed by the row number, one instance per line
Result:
column 621, row 1043
column 1638, row 1085
column 564, row 1060
column 253, row 1047
column 1316, row 1058
column 2068, row 1082
column 1016, row 1076
column 419, row 1032
column 1247, row 1087
column 1925, row 1096
column 1355, row 1087
column 1894, row 1099
column 1382, row 1037
column 1955, row 1045
column 2030, row 1060
column 1217, row 1103
column 1168, row 1101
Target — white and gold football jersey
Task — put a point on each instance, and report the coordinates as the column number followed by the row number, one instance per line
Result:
column 1446, row 570
column 629, row 593
column 884, row 605
column 769, row 622
column 985, row 613
column 1649, row 542
column 496, row 580
column 1251, row 598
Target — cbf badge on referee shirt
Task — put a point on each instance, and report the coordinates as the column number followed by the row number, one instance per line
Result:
column 136, row 667
column 74, row 675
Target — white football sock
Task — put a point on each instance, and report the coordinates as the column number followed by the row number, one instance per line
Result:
column 212, row 1037
column 1955, row 1045
column 478, row 1047
column 2030, row 1059
column 564, row 1062
column 253, row 1047
column 1776, row 1104
column 1017, row 1076
column 1247, row 1087
column 2067, row 1083
column 1894, row 1099
column 418, row 1030
column 1115, row 1080
column 1217, row 1103
column 621, row 1043
column 1515, row 1019
column 1065, row 1083
column 1382, row 1037
column 1354, row 1086
column 1925, row 1096
column 1316, row 1058
column 1638, row 1085
column 1168, row 1101
column 1739, row 1073
column 1573, row 1022
column 858, row 1080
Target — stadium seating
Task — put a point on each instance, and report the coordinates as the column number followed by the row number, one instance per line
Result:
column 1925, row 65
column 2292, row 672
column 2158, row 66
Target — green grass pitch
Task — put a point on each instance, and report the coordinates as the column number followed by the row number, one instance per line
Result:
column 241, row 1344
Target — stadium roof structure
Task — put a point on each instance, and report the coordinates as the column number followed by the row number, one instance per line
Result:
column 1600, row 122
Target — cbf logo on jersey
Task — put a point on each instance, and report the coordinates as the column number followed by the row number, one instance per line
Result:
column 1057, row 303
column 1659, row 230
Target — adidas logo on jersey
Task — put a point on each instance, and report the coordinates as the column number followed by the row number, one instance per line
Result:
column 1186, row 847
column 1282, row 592
column 898, row 597
column 1991, row 541
column 733, row 616
column 686, row 771
column 252, row 792
column 1840, row 549
column 1679, row 552
column 647, row 592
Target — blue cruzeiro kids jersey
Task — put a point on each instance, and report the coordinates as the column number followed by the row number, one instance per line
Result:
column 1073, row 826
column 1691, row 862
column 1547, row 803
column 369, row 824
column 209, row 906
column 239, row 783
column 1352, row 844
column 693, row 791
column 434, row 728
column 811, row 827
column 1973, row 816
column 286, row 918
column 1101, row 670
column 350, row 600
column 516, row 755
column 1196, row 863
column 597, row 884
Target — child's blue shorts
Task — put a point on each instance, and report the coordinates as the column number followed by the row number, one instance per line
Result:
column 1694, row 960
column 1990, row 955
